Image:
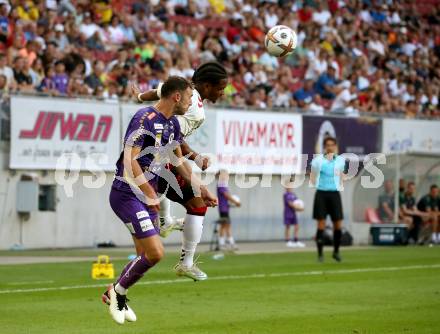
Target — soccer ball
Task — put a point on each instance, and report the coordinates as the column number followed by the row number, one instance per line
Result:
column 236, row 198
column 280, row 41
column 299, row 204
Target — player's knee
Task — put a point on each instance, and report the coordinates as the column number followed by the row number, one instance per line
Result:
column 155, row 255
column 196, row 210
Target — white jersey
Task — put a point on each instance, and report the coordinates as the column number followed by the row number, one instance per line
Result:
column 194, row 117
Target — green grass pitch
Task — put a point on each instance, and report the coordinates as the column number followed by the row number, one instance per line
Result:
column 377, row 291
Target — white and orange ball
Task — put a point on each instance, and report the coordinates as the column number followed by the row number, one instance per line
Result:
column 280, row 41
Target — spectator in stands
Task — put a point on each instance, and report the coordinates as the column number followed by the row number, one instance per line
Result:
column 60, row 37
column 169, row 36
column 386, row 203
column 316, row 108
column 127, row 29
column 27, row 11
column 48, row 85
column 346, row 100
column 4, row 24
column 94, row 79
column 304, row 95
column 6, row 70
column 60, row 78
column 409, row 212
column 430, row 204
column 326, row 84
column 88, row 28
column 21, row 75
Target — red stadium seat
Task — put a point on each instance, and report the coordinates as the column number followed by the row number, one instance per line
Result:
column 371, row 216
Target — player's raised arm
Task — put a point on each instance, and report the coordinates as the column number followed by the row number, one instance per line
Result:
column 203, row 162
column 150, row 95
column 184, row 170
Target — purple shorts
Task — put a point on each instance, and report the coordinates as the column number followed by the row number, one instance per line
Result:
column 290, row 221
column 137, row 217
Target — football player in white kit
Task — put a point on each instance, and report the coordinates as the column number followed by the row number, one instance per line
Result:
column 209, row 80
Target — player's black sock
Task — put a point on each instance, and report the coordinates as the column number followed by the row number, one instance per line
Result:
column 295, row 239
column 320, row 241
column 337, row 240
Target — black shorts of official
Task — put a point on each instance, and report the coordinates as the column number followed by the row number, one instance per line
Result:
column 327, row 203
column 224, row 218
column 172, row 194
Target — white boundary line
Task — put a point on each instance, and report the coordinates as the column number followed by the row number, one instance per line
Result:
column 235, row 277
column 31, row 282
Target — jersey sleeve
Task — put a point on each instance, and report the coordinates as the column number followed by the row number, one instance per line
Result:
column 185, row 127
column 178, row 136
column 138, row 129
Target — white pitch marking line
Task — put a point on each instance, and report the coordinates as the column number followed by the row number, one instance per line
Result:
column 235, row 277
column 31, row 282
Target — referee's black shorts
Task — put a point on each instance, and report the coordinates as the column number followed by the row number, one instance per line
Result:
column 327, row 203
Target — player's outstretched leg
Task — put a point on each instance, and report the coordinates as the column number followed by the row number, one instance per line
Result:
column 168, row 224
column 129, row 313
column 192, row 233
column 134, row 271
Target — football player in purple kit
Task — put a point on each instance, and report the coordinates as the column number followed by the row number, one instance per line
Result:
column 209, row 80
column 224, row 198
column 290, row 218
column 151, row 143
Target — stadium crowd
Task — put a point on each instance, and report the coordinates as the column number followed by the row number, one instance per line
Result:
column 368, row 56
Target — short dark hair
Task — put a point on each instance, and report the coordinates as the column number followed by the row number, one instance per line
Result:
column 434, row 186
column 326, row 139
column 411, row 183
column 174, row 84
column 211, row 72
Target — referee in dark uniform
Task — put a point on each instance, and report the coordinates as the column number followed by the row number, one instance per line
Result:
column 326, row 175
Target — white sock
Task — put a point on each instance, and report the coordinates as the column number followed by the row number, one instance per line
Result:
column 192, row 233
column 165, row 210
column 434, row 237
column 231, row 240
column 438, row 236
column 221, row 241
column 120, row 289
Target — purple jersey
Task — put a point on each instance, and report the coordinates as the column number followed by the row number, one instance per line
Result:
column 223, row 204
column 155, row 135
column 289, row 213
column 61, row 82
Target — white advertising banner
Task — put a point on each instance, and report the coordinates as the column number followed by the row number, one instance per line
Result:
column 47, row 131
column 258, row 143
column 401, row 135
column 203, row 139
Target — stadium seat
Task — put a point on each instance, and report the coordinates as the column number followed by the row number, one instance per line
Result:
column 371, row 216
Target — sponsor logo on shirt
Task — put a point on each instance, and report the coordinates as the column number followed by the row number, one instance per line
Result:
column 158, row 126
